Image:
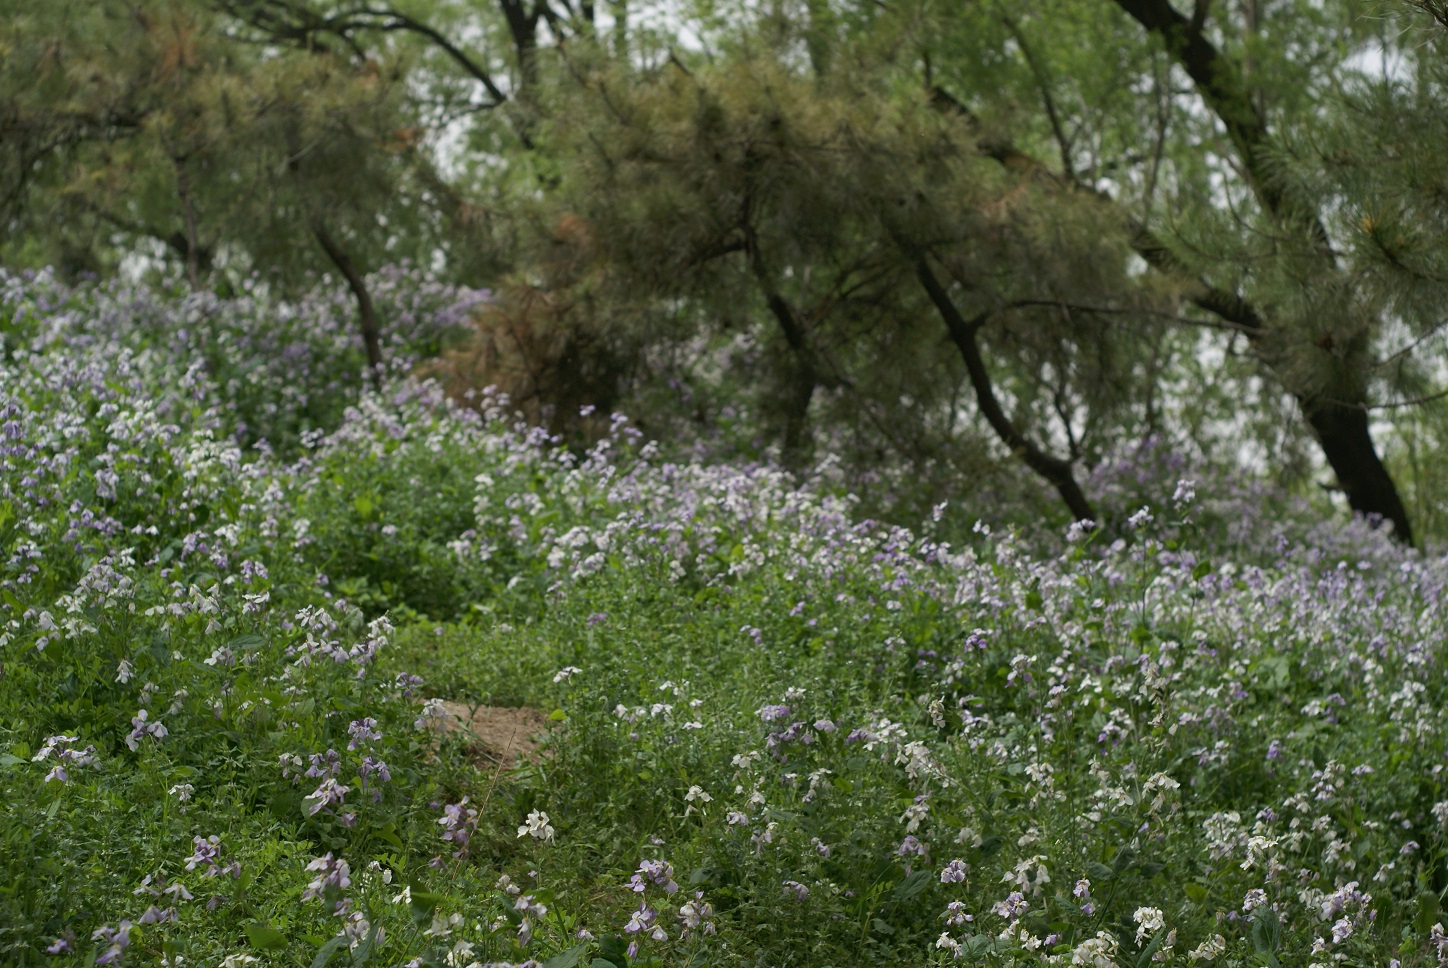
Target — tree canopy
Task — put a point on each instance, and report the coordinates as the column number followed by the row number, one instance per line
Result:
column 969, row 244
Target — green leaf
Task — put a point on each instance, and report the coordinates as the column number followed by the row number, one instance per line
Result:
column 1266, row 934
column 613, row 951
column 328, row 951
column 1429, row 908
column 423, row 903
column 912, row 885
column 1144, row 960
column 978, row 946
column 265, row 936
column 1196, row 892
column 567, row 959
column 9, row 760
column 363, row 504
column 557, row 716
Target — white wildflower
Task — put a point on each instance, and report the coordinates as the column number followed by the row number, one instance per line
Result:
column 1097, row 952
column 537, row 827
column 1149, row 921
column 1209, row 949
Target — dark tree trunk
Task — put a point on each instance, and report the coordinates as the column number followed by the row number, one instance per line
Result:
column 1341, row 426
column 367, row 314
column 801, row 376
column 523, row 28
column 796, row 419
column 192, row 249
column 1346, row 440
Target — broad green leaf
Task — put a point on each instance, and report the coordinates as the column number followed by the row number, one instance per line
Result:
column 265, row 936
column 569, row 958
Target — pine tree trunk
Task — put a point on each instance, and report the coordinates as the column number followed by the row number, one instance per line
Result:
column 1224, row 85
column 1346, row 441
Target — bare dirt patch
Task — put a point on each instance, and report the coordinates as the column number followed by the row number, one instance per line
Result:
column 503, row 736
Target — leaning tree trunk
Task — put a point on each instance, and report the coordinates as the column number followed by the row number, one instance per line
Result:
column 1341, row 427
column 366, row 312
column 1346, row 440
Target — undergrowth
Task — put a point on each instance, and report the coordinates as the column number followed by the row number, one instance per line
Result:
column 780, row 735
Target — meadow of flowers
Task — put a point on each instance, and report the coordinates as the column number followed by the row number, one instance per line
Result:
column 236, row 587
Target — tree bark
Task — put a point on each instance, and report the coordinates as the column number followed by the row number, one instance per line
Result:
column 192, row 250
column 523, row 28
column 366, row 312
column 804, row 376
column 1341, row 427
column 1343, row 433
column 802, row 379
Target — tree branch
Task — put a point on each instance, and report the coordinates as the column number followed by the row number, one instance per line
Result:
column 1222, row 85
column 1063, row 143
column 1229, row 306
column 1342, row 429
column 963, row 333
column 295, row 24
column 397, row 21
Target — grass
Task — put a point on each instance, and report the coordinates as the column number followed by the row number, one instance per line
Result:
column 780, row 735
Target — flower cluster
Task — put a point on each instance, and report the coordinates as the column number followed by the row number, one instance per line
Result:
column 66, row 756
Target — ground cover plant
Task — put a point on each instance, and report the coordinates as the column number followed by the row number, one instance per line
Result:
column 781, row 735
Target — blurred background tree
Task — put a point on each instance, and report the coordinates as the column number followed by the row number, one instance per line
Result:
column 941, row 250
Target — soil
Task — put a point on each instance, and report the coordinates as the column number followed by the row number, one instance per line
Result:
column 506, row 736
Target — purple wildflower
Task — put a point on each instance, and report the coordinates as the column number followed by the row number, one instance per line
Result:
column 115, row 939
column 142, row 727
column 205, row 854
column 333, row 877
column 363, row 731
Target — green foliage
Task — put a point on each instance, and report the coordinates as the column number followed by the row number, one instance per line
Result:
column 746, row 199
column 160, row 130
column 736, row 200
column 778, row 734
